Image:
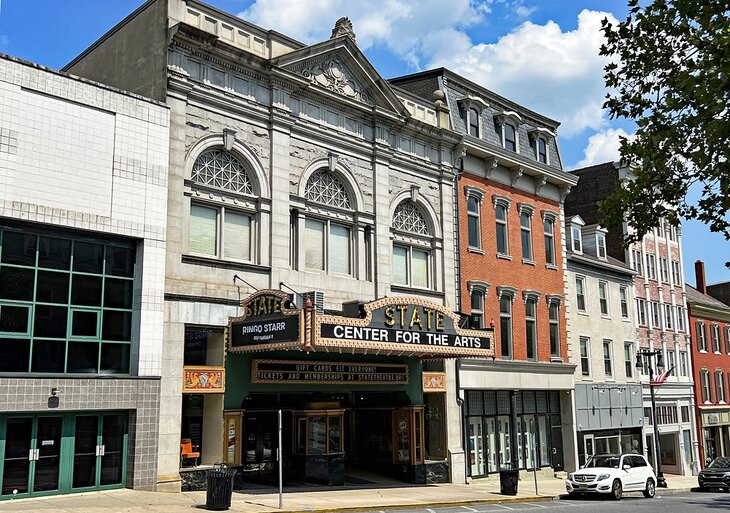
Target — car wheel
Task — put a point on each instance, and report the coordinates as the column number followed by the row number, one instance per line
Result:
column 616, row 490
column 650, row 490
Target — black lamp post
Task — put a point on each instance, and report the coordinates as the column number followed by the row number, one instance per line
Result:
column 648, row 354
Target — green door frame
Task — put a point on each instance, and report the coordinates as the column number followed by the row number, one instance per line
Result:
column 66, row 455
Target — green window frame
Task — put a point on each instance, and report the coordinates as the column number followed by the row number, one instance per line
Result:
column 79, row 297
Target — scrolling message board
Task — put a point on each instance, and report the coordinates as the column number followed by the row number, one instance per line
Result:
column 326, row 372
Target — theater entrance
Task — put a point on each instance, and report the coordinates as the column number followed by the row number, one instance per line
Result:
column 332, row 440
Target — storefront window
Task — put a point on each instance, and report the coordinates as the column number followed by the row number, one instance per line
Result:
column 318, row 432
column 435, row 426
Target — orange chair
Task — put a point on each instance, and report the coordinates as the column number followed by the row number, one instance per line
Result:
column 187, row 453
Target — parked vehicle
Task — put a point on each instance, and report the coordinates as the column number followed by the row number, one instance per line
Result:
column 716, row 474
column 613, row 474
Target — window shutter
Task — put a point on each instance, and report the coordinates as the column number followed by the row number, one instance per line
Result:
column 420, row 268
column 203, row 238
column 339, row 249
column 314, row 245
column 237, row 236
column 400, row 266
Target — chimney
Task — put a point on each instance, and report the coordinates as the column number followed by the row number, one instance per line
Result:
column 700, row 276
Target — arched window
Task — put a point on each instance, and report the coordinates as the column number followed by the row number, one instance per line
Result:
column 411, row 247
column 217, row 168
column 325, row 187
column 218, row 229
column 327, row 243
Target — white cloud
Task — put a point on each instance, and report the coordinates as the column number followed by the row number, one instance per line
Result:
column 409, row 29
column 556, row 73
column 603, row 147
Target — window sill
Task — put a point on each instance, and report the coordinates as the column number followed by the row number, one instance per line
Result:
column 528, row 262
column 556, row 359
column 551, row 266
column 472, row 249
column 703, row 351
column 604, row 316
column 583, row 312
column 504, row 256
column 225, row 264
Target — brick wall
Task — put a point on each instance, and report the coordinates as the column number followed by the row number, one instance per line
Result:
column 514, row 273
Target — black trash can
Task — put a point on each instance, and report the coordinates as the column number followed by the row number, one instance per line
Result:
column 508, row 481
column 219, row 489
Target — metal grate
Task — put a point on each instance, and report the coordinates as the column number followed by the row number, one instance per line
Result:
column 324, row 187
column 409, row 218
column 222, row 170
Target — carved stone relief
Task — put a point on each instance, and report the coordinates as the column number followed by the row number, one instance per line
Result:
column 334, row 76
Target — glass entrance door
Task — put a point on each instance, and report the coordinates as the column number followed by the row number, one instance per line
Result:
column 32, row 459
column 99, row 450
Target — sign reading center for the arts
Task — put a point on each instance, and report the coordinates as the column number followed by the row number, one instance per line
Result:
column 404, row 324
column 266, row 321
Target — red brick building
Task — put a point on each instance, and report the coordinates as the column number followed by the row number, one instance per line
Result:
column 709, row 321
column 517, row 407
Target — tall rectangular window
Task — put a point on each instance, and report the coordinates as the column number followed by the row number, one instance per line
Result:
column 715, row 331
column 577, row 238
column 601, row 245
column 668, row 317
column 500, row 214
column 655, row 316
column 553, row 312
column 603, row 297
column 541, row 150
column 505, row 325
column 526, row 234
column 477, row 309
column 629, row 359
column 641, row 311
column 624, row 297
column 585, row 357
column 701, row 336
column 676, row 276
column 580, row 285
column 680, row 318
column 549, row 229
column 651, row 267
column 314, row 244
column 510, row 137
column 683, row 363
column 664, row 269
column 531, row 328
column 473, row 224
column 608, row 357
column 400, row 265
column 338, row 254
column 473, row 122
column 637, row 261
column 705, row 385
column 203, row 231
column 727, row 338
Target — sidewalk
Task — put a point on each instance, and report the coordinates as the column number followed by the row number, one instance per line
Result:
column 306, row 499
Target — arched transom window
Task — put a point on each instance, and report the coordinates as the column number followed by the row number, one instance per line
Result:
column 219, row 169
column 325, row 187
column 412, row 256
column 409, row 218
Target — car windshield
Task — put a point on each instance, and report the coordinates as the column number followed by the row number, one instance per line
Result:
column 603, row 461
column 720, row 463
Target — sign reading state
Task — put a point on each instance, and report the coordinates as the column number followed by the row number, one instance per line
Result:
column 392, row 323
column 266, row 320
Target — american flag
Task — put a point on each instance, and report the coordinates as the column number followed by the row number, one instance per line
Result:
column 661, row 378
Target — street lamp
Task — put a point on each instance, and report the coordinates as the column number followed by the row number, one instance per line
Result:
column 648, row 354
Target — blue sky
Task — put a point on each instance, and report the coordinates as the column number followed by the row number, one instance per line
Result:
column 540, row 53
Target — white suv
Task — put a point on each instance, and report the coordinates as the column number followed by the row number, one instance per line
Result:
column 614, row 474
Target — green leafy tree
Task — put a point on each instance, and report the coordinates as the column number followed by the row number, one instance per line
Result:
column 669, row 72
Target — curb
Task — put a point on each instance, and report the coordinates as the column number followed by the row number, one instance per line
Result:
column 425, row 505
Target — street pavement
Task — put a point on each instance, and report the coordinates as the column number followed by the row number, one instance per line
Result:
column 482, row 495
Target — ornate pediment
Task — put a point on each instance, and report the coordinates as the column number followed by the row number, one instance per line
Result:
column 334, row 75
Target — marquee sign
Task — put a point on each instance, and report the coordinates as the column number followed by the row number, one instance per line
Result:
column 267, row 322
column 328, row 372
column 404, row 324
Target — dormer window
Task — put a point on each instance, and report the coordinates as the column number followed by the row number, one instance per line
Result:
column 509, row 122
column 576, row 236
column 542, row 151
column 510, row 137
column 473, row 122
column 601, row 245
